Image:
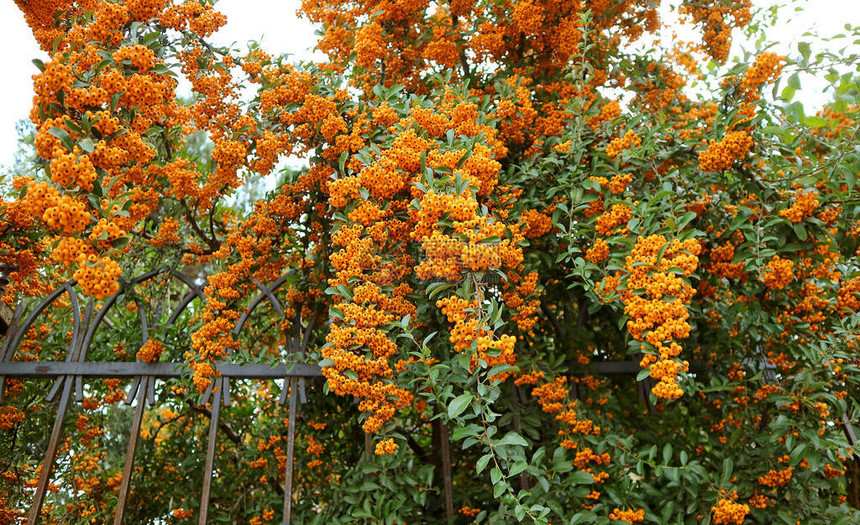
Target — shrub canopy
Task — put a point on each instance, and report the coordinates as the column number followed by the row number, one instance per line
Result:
column 499, row 202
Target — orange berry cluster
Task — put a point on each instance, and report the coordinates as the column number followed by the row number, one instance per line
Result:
column 72, row 102
column 760, row 501
column 106, row 231
column 535, row 224
column 361, row 330
column 628, row 141
column 10, row 417
column 598, row 252
column 717, row 20
column 766, row 69
column 727, row 511
column 550, row 397
column 779, row 273
column 619, row 183
column 150, row 351
column 98, row 276
column 214, row 339
column 831, row 472
column 267, row 516
column 630, row 516
column 369, row 45
column 201, row 18
column 182, row 514
column 805, row 204
column 617, row 217
column 587, row 455
column 848, row 299
column 655, row 299
column 529, row 378
column 141, row 57
column 573, row 426
column 67, row 215
column 721, row 263
column 721, row 155
column 203, row 374
column 369, row 260
column 608, row 111
column 71, row 250
column 521, row 294
column 448, row 257
column 167, row 233
column 385, row 447
column 469, row 329
column 315, row 448
column 69, row 171
column 776, row 478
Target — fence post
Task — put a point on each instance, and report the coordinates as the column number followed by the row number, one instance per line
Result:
column 291, row 443
column 210, row 450
column 128, row 469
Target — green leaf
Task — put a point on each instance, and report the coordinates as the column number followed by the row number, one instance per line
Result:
column 344, row 291
column 114, row 101
column 850, row 179
column 518, row 467
column 581, row 478
column 459, row 404
column 64, row 137
column 520, row 512
column 728, row 467
column 481, row 464
column 797, row 454
column 805, row 51
column 120, row 242
column 495, row 475
column 499, row 489
column 512, row 438
column 800, row 231
column 341, row 162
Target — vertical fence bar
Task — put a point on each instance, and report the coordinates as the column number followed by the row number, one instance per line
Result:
column 51, row 453
column 68, row 382
column 210, row 452
column 128, row 469
column 291, row 443
column 6, row 349
column 446, row 473
column 849, row 430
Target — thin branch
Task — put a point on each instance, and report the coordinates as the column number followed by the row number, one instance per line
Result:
column 223, row 425
column 560, row 331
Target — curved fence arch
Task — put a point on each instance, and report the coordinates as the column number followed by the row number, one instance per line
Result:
column 69, row 375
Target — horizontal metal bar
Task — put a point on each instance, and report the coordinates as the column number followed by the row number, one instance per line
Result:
column 240, row 371
column 613, row 367
column 102, row 369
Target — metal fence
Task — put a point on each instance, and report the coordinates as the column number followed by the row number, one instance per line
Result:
column 69, row 375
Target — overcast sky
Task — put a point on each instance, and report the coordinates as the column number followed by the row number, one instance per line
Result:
column 275, row 21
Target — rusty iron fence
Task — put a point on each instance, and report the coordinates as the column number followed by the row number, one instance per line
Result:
column 68, row 378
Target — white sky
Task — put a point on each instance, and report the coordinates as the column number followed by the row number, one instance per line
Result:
column 275, row 21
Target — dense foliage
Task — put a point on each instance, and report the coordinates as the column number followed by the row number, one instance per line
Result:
column 499, row 197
